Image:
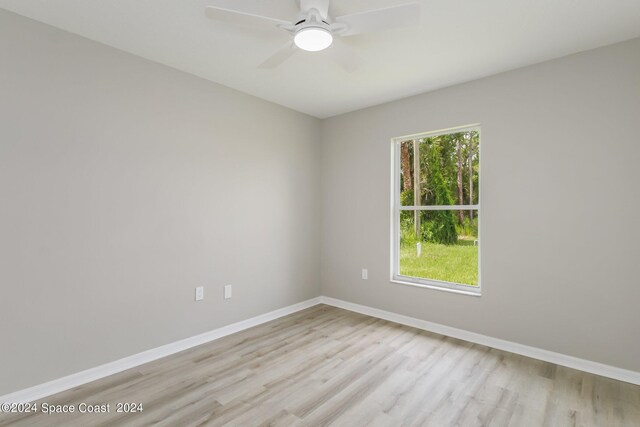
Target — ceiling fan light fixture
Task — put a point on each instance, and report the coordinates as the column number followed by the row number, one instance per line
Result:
column 313, row 39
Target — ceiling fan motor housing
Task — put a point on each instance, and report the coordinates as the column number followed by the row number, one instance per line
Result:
column 320, row 6
column 312, row 19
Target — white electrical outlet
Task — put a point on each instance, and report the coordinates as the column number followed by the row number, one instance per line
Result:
column 365, row 274
column 199, row 293
column 227, row 292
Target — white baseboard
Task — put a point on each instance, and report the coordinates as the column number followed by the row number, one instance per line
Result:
column 56, row 386
column 524, row 350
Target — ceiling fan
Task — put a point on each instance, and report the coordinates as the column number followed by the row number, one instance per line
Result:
column 314, row 29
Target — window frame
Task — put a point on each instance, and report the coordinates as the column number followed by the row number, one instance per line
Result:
column 396, row 208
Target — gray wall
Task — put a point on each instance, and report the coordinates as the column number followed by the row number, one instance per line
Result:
column 124, row 185
column 560, row 205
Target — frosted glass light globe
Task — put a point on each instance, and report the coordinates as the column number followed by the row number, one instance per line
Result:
column 313, row 39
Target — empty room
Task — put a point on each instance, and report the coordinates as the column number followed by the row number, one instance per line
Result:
column 319, row 213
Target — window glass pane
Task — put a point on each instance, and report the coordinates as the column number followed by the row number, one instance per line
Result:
column 447, row 170
column 443, row 246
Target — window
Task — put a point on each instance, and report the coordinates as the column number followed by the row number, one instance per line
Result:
column 436, row 206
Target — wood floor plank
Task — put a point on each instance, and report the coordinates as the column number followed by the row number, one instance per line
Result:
column 330, row 367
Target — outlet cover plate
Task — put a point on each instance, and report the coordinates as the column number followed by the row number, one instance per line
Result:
column 199, row 293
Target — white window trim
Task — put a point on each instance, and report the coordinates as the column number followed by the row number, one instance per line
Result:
column 396, row 207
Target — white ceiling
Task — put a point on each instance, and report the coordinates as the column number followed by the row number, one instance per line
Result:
column 457, row 41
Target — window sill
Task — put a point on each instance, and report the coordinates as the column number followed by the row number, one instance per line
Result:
column 472, row 293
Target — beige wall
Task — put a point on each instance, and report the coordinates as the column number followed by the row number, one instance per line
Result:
column 560, row 205
column 124, row 185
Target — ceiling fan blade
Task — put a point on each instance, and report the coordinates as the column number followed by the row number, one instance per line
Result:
column 279, row 56
column 238, row 17
column 344, row 56
column 405, row 15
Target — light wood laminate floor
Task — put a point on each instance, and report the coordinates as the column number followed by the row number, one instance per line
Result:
column 327, row 366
